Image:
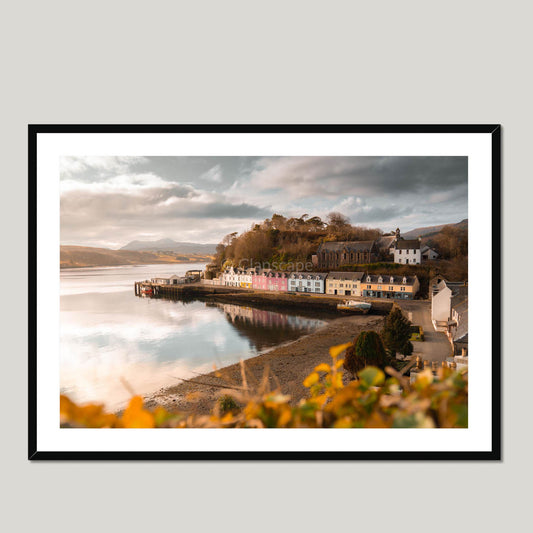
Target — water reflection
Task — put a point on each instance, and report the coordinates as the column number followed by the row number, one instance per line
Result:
column 267, row 328
column 107, row 333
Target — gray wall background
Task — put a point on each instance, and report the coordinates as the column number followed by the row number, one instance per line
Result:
column 265, row 62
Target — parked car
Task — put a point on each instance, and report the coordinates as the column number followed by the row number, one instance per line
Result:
column 417, row 333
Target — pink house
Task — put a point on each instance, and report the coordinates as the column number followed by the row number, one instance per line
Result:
column 269, row 280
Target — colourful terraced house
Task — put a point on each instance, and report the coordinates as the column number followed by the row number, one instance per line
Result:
column 270, row 280
column 385, row 286
column 307, row 282
column 344, row 283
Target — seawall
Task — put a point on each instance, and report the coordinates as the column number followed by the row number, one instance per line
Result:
column 273, row 300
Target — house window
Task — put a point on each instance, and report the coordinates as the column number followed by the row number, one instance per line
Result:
column 391, row 288
column 317, row 283
column 400, row 252
column 402, row 288
column 369, row 286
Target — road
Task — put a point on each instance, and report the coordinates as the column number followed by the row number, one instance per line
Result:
column 436, row 346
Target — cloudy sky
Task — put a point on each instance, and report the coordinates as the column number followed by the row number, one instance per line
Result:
column 109, row 201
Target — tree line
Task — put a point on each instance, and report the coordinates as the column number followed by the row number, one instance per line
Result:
column 282, row 239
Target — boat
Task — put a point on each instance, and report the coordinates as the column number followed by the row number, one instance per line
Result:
column 354, row 306
column 146, row 289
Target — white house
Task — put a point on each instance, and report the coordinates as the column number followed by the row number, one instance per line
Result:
column 161, row 281
column 236, row 277
column 428, row 254
column 229, row 277
column 407, row 252
column 445, row 297
column 307, row 282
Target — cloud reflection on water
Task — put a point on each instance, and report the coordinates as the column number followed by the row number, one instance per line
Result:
column 106, row 336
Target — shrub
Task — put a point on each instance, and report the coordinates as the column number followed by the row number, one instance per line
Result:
column 372, row 401
column 407, row 349
column 396, row 332
column 226, row 404
column 367, row 350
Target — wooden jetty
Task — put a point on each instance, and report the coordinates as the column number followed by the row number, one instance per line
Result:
column 186, row 289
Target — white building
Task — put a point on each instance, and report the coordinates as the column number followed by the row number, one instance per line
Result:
column 229, row 278
column 428, row 254
column 445, row 297
column 407, row 252
column 307, row 282
column 237, row 277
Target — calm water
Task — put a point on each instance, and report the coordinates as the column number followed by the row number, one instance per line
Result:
column 108, row 334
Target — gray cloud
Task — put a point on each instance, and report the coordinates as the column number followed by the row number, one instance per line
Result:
column 312, row 176
column 109, row 201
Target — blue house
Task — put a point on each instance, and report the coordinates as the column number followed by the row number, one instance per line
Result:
column 307, row 282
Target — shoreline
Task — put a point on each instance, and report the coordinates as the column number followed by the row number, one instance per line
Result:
column 131, row 264
column 268, row 299
column 288, row 364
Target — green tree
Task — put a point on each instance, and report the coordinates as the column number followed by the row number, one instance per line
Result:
column 396, row 333
column 367, row 350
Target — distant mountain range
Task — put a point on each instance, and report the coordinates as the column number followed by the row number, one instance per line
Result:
column 86, row 256
column 429, row 231
column 168, row 245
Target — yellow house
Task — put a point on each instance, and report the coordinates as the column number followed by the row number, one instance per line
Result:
column 344, row 283
column 385, row 286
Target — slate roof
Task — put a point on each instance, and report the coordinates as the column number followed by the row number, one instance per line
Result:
column 461, row 308
column 349, row 246
column 459, row 295
column 308, row 275
column 408, row 244
column 269, row 273
column 345, row 276
column 426, row 248
column 461, row 333
column 386, row 279
column 386, row 241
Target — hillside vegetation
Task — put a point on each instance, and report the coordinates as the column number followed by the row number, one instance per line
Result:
column 85, row 256
column 282, row 240
column 431, row 231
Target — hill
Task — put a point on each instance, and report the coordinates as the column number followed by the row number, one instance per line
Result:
column 430, row 231
column 282, row 240
column 168, row 245
column 86, row 256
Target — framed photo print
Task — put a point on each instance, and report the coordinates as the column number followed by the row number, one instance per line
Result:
column 264, row 292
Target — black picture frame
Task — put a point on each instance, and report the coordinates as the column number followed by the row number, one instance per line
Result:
column 494, row 454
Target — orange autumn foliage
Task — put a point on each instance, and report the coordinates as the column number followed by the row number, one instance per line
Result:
column 373, row 401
